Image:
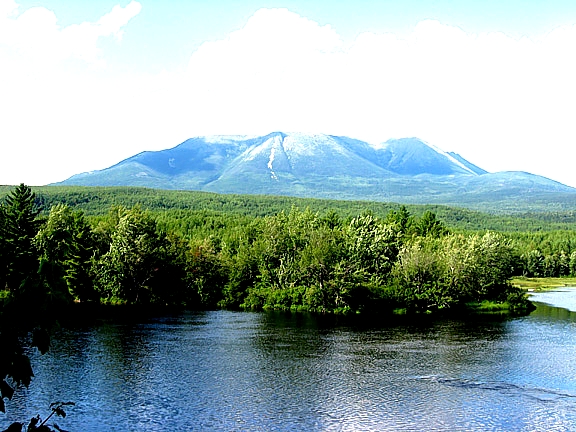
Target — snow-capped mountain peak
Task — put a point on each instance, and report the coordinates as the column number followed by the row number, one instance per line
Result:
column 405, row 170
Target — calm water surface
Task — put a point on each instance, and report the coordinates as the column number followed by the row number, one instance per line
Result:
column 270, row 371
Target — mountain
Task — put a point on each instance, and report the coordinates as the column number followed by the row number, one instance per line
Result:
column 411, row 156
column 324, row 166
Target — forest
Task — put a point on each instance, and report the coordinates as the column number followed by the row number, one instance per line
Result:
column 295, row 259
column 199, row 250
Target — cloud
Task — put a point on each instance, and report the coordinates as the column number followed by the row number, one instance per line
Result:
column 34, row 35
column 272, row 58
column 51, row 94
column 7, row 8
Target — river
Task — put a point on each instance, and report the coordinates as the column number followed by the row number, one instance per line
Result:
column 241, row 371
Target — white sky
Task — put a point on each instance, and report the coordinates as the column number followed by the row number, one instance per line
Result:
column 71, row 101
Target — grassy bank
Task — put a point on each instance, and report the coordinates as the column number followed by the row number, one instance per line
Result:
column 543, row 284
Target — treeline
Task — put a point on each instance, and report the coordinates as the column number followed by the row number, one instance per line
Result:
column 545, row 242
column 96, row 201
column 546, row 254
column 296, row 260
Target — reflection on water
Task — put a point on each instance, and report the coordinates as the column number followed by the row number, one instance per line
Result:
column 564, row 298
column 276, row 371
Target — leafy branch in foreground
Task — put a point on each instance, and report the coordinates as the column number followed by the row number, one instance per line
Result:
column 38, row 425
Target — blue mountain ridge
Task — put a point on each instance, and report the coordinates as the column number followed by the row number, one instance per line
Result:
column 324, row 166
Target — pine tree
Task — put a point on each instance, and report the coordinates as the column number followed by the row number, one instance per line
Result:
column 19, row 227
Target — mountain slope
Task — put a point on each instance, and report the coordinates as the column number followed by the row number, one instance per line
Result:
column 324, row 166
column 411, row 156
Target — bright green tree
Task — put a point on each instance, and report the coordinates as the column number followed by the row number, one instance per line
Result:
column 495, row 262
column 130, row 270
column 66, row 240
column 205, row 274
column 322, row 266
column 372, row 247
column 418, row 277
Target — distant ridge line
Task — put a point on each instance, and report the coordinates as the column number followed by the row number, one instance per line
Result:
column 406, row 170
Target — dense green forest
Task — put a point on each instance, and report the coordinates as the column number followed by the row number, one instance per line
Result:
column 140, row 246
column 543, row 242
column 97, row 201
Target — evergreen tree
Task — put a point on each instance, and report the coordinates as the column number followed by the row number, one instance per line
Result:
column 401, row 219
column 19, row 227
column 4, row 264
column 429, row 225
column 35, row 298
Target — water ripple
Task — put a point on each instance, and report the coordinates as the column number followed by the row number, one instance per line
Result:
column 227, row 371
column 541, row 394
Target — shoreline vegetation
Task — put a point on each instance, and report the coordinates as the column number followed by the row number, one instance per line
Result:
column 149, row 251
column 245, row 256
column 298, row 260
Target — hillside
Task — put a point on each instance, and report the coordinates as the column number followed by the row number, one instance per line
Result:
column 97, row 201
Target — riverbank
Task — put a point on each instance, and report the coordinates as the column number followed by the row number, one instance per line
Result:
column 542, row 284
column 83, row 313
